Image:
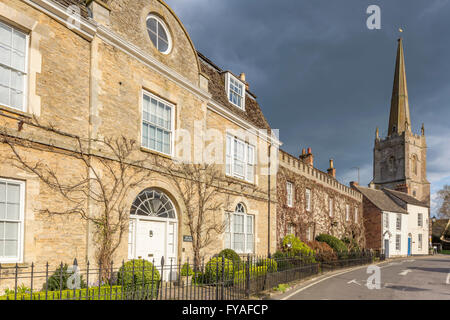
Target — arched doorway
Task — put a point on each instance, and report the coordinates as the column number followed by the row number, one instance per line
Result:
column 153, row 227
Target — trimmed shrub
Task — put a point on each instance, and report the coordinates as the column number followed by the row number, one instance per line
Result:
column 141, row 276
column 230, row 255
column 214, row 268
column 270, row 264
column 54, row 282
column 337, row 245
column 240, row 276
column 324, row 252
column 105, row 293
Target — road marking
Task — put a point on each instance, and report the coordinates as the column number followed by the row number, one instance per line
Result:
column 404, row 272
column 448, row 278
column 354, row 281
column 314, row 283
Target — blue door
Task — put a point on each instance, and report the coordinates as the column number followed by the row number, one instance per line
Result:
column 409, row 246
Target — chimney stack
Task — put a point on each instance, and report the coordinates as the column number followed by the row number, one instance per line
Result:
column 242, row 78
column 331, row 170
column 402, row 188
column 308, row 158
column 353, row 184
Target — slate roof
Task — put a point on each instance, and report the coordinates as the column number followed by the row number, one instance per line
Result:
column 406, row 198
column 216, row 75
column 80, row 3
column 381, row 200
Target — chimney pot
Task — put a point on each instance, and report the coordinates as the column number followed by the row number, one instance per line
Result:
column 309, row 151
column 354, row 184
column 242, row 76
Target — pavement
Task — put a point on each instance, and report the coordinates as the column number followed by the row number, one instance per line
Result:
column 414, row 278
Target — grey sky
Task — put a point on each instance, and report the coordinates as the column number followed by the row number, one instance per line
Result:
column 324, row 79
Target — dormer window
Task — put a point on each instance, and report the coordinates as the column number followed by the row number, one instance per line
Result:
column 235, row 91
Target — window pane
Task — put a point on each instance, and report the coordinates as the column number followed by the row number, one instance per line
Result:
column 166, row 142
column 11, row 248
column 13, row 193
column 154, row 38
column 13, row 211
column 5, row 77
column 19, row 41
column 250, row 224
column 162, row 45
column 11, row 231
column 2, row 230
column 239, row 242
column 250, row 243
column 18, row 60
column 17, row 81
column 162, row 32
column 159, row 140
column 145, row 137
column 16, row 99
column 2, row 246
column 2, row 210
column 151, row 24
column 5, row 55
column 2, row 192
column 152, row 134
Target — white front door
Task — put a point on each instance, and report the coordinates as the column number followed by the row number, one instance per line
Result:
column 151, row 240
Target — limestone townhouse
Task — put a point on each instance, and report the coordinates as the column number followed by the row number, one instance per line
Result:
column 81, row 72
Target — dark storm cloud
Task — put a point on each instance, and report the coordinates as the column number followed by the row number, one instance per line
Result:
column 324, row 79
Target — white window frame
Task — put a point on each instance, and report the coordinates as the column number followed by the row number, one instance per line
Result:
column 386, row 220
column 347, row 212
column 25, row 72
column 309, row 231
column 420, row 220
column 166, row 30
column 291, row 229
column 330, row 207
column 356, row 214
column 398, row 222
column 230, row 233
column 247, row 162
column 398, row 242
column 21, row 221
column 172, row 123
column 290, row 194
column 308, row 199
column 228, row 78
column 419, row 241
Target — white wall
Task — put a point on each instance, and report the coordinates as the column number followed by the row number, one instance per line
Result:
column 415, row 230
column 391, row 232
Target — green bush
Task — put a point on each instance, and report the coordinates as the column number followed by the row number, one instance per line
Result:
column 295, row 247
column 230, row 254
column 186, row 270
column 337, row 245
column 54, row 281
column 240, row 276
column 214, row 267
column 352, row 245
column 140, row 277
column 270, row 264
column 106, row 293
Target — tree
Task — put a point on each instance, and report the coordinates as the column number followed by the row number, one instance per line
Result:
column 201, row 195
column 104, row 182
column 444, row 199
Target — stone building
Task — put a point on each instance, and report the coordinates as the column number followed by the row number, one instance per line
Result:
column 122, row 68
column 401, row 157
column 312, row 202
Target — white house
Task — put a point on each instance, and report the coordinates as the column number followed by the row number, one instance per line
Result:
column 418, row 221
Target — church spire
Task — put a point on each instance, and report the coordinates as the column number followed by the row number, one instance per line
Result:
column 399, row 120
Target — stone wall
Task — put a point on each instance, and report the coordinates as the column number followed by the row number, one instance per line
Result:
column 322, row 187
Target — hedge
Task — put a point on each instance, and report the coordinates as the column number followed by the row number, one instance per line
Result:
column 230, row 254
column 295, row 246
column 240, row 276
column 92, row 294
column 214, row 267
column 337, row 245
column 137, row 274
column 270, row 264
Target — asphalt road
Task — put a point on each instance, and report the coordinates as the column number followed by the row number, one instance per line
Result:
column 426, row 278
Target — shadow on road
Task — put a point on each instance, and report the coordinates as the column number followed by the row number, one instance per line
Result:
column 405, row 288
column 441, row 270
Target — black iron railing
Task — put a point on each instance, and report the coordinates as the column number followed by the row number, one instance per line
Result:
column 215, row 279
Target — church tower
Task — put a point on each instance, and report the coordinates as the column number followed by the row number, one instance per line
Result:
column 400, row 157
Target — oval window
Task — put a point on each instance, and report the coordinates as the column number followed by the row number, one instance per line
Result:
column 159, row 34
